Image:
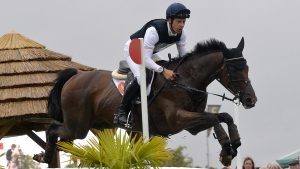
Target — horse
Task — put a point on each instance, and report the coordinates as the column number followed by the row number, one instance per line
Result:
column 81, row 100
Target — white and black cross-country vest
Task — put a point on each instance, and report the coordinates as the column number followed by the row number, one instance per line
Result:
column 162, row 29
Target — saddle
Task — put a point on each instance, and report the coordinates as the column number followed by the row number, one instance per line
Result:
column 122, row 71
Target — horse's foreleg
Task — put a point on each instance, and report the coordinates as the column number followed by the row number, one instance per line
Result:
column 232, row 129
column 194, row 122
column 222, row 136
column 227, row 153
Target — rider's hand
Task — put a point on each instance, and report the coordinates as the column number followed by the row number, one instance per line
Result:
column 169, row 74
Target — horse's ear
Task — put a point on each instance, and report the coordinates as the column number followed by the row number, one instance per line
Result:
column 241, row 44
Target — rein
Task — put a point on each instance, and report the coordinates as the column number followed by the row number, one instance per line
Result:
column 166, row 81
column 175, row 84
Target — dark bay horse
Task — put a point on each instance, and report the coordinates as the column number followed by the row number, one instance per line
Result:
column 80, row 101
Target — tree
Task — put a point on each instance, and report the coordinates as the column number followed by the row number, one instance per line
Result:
column 26, row 162
column 179, row 160
column 73, row 162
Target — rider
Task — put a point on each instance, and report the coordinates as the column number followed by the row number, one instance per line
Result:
column 158, row 34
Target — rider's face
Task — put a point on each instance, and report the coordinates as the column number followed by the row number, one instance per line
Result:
column 177, row 25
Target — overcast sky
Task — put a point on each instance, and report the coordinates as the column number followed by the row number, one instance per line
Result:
column 93, row 32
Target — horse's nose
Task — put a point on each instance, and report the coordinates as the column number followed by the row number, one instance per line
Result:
column 250, row 102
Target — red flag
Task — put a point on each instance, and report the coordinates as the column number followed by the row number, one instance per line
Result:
column 1, row 146
column 135, row 50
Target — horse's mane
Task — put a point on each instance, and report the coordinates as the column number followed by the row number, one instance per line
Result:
column 204, row 47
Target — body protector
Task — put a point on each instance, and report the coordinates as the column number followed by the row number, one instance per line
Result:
column 162, row 29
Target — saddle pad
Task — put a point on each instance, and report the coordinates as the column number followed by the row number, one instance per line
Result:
column 120, row 84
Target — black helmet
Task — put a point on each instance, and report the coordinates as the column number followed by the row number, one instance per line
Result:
column 177, row 10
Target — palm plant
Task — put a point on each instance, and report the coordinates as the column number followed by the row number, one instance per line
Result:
column 119, row 151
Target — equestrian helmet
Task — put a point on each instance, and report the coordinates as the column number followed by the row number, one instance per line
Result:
column 177, row 10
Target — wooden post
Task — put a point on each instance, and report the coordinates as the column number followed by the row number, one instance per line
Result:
column 36, row 139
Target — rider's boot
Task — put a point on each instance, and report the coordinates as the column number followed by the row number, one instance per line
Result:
column 130, row 93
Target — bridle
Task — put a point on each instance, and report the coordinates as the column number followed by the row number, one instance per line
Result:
column 231, row 87
column 236, row 93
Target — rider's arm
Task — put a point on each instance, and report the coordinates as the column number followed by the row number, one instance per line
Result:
column 150, row 39
column 181, row 45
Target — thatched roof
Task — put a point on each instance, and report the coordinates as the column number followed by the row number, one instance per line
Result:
column 27, row 74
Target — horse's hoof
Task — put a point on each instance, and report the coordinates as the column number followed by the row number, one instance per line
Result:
column 226, row 156
column 39, row 157
column 226, row 160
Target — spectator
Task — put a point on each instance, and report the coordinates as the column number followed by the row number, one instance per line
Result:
column 248, row 163
column 271, row 166
column 9, row 153
column 294, row 164
column 14, row 162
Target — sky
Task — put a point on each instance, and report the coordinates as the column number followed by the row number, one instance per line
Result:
column 93, row 33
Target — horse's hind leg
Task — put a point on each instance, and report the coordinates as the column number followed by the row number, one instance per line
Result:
column 51, row 139
column 232, row 129
column 55, row 130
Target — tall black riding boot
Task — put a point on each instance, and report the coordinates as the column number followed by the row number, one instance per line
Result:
column 130, row 93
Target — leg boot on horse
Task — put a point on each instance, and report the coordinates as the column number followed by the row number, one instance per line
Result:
column 120, row 118
column 232, row 130
column 234, row 137
column 226, row 154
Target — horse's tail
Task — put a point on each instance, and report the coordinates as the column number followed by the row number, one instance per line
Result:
column 54, row 104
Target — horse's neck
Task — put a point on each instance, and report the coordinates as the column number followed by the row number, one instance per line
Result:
column 204, row 69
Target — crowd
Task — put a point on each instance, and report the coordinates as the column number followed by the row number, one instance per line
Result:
column 249, row 164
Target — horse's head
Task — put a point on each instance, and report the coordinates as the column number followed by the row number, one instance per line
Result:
column 234, row 76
